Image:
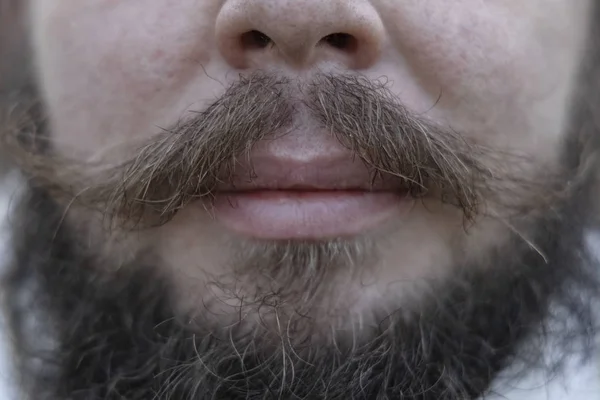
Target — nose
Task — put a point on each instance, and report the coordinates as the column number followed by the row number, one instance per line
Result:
column 300, row 33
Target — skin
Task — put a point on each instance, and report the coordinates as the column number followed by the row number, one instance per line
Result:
column 501, row 72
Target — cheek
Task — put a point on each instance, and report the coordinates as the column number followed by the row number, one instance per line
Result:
column 102, row 58
column 461, row 53
column 499, row 71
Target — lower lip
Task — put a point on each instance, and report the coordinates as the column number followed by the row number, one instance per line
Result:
column 305, row 215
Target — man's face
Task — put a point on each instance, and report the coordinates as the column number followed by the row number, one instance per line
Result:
column 501, row 74
column 302, row 169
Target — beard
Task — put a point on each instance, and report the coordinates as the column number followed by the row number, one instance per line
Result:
column 100, row 335
column 108, row 331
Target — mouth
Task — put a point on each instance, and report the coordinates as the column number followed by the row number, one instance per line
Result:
column 328, row 197
column 303, row 214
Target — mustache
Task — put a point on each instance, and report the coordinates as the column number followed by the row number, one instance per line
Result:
column 188, row 161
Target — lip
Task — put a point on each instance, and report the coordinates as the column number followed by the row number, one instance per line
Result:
column 317, row 197
column 303, row 214
column 342, row 173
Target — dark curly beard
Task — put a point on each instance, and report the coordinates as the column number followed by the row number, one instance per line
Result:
column 102, row 335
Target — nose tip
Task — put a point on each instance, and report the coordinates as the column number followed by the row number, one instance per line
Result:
column 299, row 32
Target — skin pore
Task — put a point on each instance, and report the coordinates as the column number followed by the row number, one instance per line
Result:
column 299, row 199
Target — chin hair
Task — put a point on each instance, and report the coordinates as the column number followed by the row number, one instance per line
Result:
column 116, row 335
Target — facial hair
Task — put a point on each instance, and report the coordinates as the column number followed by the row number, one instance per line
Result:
column 114, row 332
column 116, row 336
column 187, row 162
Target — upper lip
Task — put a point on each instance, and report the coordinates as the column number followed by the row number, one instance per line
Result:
column 270, row 172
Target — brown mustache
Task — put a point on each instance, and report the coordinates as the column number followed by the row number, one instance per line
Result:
column 188, row 162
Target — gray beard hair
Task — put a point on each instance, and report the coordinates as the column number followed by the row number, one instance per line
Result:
column 117, row 336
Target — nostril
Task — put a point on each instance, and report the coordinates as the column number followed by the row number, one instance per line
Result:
column 255, row 40
column 341, row 41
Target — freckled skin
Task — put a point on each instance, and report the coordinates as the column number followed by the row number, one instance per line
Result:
column 498, row 71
